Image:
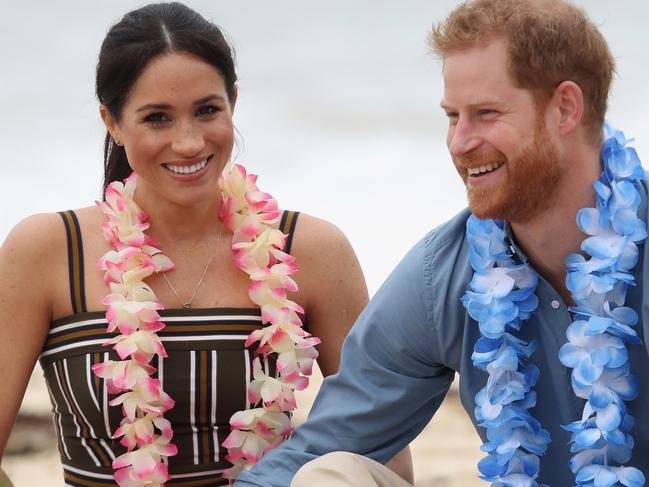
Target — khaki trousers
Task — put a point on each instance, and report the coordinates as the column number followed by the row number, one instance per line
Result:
column 4, row 480
column 344, row 469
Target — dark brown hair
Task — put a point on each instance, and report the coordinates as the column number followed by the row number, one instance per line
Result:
column 138, row 38
column 550, row 41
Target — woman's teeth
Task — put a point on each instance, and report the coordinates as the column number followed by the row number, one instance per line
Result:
column 186, row 169
column 473, row 171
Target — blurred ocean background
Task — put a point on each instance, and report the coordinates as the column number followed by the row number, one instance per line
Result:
column 338, row 113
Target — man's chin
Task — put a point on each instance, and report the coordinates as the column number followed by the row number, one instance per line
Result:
column 486, row 208
column 500, row 210
column 485, row 213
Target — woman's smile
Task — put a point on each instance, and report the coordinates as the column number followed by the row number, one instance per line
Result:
column 188, row 170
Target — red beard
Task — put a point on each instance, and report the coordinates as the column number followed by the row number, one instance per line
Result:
column 529, row 185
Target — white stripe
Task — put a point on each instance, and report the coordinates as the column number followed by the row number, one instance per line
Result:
column 107, row 448
column 181, row 338
column 160, row 371
column 74, row 418
column 195, row 474
column 85, row 420
column 105, row 403
column 192, row 405
column 90, row 452
column 211, row 318
column 58, row 415
column 247, row 360
column 161, row 361
column 97, row 341
column 89, row 474
column 164, row 319
column 76, row 324
column 197, row 338
column 90, row 388
column 215, row 430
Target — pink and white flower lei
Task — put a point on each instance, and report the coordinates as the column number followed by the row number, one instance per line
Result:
column 249, row 213
column 133, row 310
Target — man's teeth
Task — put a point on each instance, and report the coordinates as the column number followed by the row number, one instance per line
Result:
column 187, row 169
column 473, row 171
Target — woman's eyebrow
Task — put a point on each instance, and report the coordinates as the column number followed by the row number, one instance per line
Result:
column 165, row 106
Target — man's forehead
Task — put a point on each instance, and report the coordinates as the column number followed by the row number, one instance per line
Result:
column 478, row 75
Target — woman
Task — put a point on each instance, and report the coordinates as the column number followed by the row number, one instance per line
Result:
column 166, row 86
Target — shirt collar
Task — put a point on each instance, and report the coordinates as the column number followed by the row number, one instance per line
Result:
column 510, row 241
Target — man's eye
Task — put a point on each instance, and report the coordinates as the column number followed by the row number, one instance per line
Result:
column 452, row 117
column 487, row 112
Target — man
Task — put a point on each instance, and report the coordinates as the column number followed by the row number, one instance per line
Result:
column 525, row 91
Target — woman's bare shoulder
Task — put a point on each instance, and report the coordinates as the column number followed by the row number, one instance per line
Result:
column 38, row 237
column 324, row 257
column 315, row 235
column 40, row 233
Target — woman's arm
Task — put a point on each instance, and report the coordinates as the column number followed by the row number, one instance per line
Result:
column 333, row 293
column 26, row 273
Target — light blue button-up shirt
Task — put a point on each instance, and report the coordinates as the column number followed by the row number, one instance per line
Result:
column 401, row 355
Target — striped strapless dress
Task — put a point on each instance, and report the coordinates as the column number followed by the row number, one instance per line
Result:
column 207, row 372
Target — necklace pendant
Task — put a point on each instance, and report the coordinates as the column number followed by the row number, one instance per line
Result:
column 187, row 305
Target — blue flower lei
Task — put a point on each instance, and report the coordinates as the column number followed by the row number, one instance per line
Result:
column 501, row 297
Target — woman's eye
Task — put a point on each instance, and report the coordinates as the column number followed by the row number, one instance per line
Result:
column 208, row 110
column 156, row 118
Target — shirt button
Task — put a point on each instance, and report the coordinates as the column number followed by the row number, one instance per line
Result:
column 555, row 304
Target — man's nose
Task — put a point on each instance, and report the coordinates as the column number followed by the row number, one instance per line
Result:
column 462, row 137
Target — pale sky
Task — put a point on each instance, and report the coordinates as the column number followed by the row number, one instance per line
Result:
column 338, row 108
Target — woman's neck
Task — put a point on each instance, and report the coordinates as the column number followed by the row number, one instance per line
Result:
column 172, row 223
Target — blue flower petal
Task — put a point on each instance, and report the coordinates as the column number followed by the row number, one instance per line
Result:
column 623, row 314
column 588, row 220
column 570, row 355
column 600, row 396
column 631, row 477
column 608, row 418
column 597, row 325
column 587, row 437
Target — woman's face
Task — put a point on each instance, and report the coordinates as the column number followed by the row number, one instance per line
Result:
column 176, row 128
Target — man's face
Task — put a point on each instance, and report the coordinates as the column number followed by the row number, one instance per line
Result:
column 497, row 136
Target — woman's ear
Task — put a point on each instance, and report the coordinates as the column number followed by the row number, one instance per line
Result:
column 111, row 123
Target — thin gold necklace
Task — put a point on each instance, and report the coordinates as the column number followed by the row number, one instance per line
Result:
column 188, row 304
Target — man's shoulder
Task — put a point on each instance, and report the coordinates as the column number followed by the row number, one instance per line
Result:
column 448, row 235
column 439, row 253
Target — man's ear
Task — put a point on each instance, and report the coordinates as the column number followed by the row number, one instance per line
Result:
column 110, row 122
column 569, row 102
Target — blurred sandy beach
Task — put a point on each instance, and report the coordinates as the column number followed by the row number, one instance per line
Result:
column 445, row 454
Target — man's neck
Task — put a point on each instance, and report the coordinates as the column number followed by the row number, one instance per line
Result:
column 551, row 236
